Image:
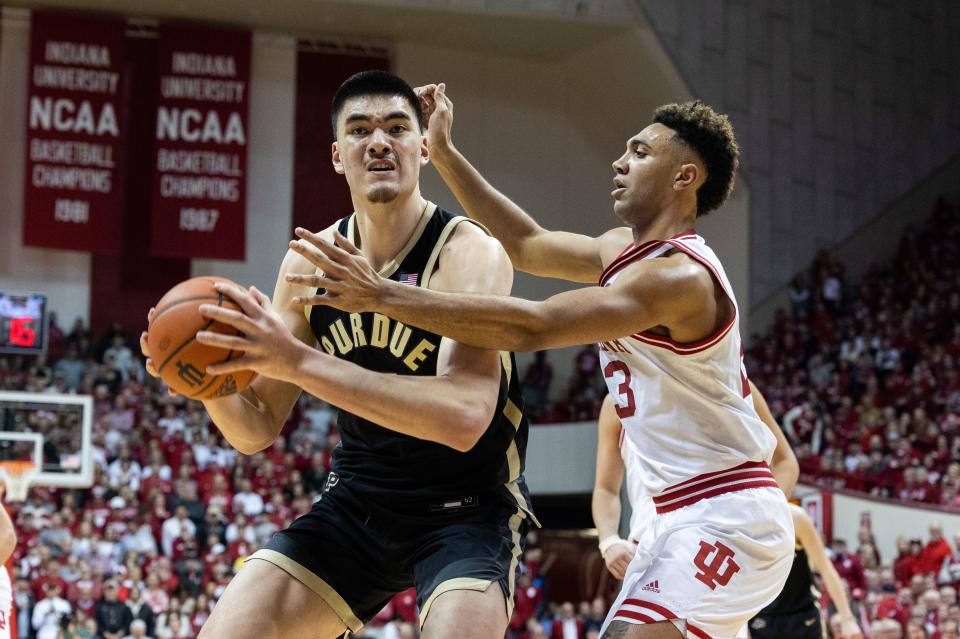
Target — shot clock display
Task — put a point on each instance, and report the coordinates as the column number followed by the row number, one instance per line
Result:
column 23, row 323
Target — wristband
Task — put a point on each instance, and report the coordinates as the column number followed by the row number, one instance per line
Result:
column 607, row 542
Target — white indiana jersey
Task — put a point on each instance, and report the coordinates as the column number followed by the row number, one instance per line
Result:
column 642, row 510
column 685, row 408
column 6, row 601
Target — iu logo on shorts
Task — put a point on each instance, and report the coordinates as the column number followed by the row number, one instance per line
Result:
column 716, row 565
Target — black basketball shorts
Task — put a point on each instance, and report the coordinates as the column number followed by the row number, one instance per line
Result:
column 356, row 555
column 805, row 624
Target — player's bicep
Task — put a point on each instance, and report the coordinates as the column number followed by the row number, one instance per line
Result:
column 572, row 256
column 471, row 262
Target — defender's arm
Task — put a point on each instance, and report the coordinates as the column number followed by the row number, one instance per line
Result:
column 532, row 248
column 784, row 465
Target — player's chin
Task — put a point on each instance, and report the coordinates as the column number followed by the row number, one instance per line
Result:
column 382, row 194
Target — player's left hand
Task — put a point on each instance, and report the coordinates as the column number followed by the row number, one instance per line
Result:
column 268, row 346
column 348, row 281
column 850, row 630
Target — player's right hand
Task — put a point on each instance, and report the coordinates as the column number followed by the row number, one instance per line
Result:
column 143, row 345
column 618, row 557
column 438, row 112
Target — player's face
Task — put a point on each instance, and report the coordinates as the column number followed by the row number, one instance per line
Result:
column 379, row 147
column 644, row 174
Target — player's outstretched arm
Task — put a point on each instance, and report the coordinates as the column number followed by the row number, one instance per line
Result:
column 605, row 504
column 532, row 249
column 784, row 465
column 674, row 292
column 453, row 408
column 809, row 538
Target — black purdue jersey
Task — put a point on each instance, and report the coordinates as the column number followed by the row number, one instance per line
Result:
column 799, row 592
column 400, row 472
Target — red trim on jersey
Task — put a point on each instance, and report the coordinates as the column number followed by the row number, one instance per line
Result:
column 749, row 464
column 633, row 252
column 690, row 348
column 742, row 477
column 658, row 609
column 700, row 634
column 630, row 614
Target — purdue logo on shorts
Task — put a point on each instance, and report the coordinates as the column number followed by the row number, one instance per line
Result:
column 721, row 566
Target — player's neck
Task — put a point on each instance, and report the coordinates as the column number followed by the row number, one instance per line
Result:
column 384, row 229
column 664, row 226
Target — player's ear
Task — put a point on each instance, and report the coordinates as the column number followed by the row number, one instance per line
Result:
column 686, row 177
column 335, row 156
column 424, row 150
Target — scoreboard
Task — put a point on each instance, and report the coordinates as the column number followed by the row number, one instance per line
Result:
column 23, row 323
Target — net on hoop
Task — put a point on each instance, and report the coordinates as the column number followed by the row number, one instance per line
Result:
column 17, row 477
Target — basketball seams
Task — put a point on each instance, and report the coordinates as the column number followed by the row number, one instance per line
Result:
column 163, row 309
column 221, row 301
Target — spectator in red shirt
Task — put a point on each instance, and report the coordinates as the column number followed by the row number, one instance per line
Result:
column 567, row 623
column 848, row 566
column 905, row 565
column 934, row 553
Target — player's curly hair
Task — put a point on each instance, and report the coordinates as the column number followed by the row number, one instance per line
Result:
column 710, row 134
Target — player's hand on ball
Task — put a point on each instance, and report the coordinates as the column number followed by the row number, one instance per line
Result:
column 349, row 282
column 618, row 557
column 438, row 112
column 143, row 345
column 268, row 346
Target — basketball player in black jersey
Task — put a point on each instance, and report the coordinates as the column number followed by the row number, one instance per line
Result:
column 427, row 486
column 795, row 614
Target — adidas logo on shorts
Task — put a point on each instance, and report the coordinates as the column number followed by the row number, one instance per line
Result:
column 653, row 586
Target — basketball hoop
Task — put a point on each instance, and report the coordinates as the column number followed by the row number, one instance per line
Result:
column 17, row 476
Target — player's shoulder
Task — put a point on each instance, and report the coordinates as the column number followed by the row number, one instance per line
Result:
column 613, row 243
column 473, row 261
column 674, row 270
column 468, row 242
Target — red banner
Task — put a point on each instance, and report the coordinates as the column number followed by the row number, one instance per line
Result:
column 200, row 167
column 73, row 193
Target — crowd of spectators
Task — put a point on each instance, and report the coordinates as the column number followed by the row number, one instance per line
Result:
column 865, row 380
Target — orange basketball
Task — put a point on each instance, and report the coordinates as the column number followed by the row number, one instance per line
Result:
column 178, row 357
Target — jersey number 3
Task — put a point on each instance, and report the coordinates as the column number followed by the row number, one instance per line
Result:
column 625, row 403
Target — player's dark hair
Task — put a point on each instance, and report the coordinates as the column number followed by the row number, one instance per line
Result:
column 710, row 134
column 373, row 82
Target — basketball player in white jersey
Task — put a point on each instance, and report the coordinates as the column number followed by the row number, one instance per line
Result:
column 616, row 458
column 666, row 319
column 8, row 542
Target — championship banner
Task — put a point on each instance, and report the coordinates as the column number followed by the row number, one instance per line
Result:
column 200, row 164
column 73, row 186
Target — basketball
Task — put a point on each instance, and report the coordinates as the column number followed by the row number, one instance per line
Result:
column 176, row 354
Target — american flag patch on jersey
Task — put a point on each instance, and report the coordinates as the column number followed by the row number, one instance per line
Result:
column 410, row 278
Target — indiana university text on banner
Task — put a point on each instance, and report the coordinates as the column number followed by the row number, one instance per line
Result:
column 200, row 167
column 73, row 191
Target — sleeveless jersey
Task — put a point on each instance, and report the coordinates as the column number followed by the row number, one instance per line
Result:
column 642, row 510
column 397, row 471
column 799, row 593
column 7, row 617
column 685, row 408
